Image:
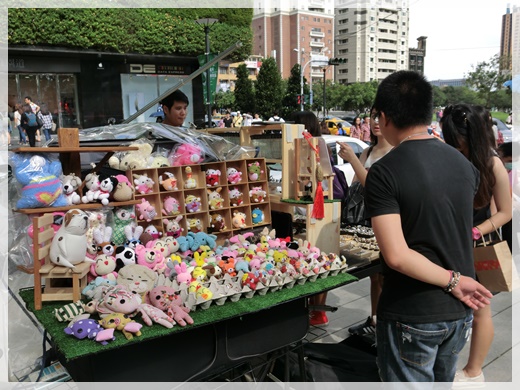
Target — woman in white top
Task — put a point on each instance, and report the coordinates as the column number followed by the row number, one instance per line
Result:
column 379, row 147
column 18, row 123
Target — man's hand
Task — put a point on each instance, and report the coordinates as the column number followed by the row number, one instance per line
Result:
column 472, row 293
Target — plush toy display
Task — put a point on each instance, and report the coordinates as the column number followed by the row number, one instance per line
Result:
column 133, row 235
column 254, row 170
column 216, row 223
column 234, row 176
column 90, row 329
column 69, row 245
column 192, row 203
column 123, row 216
column 39, row 177
column 134, row 159
column 212, row 177
column 137, row 278
column 239, row 219
column 106, row 187
column 169, row 183
column 118, row 300
column 125, row 255
column 122, row 323
column 91, row 183
column 194, row 225
column 145, row 210
column 102, row 238
column 143, row 183
column 96, row 288
column 124, row 189
column 257, row 216
column 69, row 311
column 236, row 197
column 70, row 184
column 104, row 267
column 215, row 199
column 186, row 154
column 158, row 161
column 190, row 181
column 257, row 195
column 150, row 233
column 167, row 299
column 152, row 314
column 149, row 258
column 172, row 227
column 171, row 206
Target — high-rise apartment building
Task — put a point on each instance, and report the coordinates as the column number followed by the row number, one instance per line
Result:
column 373, row 38
column 506, row 39
column 293, row 31
column 515, row 41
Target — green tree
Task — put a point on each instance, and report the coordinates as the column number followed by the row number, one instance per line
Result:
column 486, row 78
column 244, row 94
column 224, row 100
column 462, row 94
column 359, row 97
column 268, row 89
column 502, row 100
column 293, row 89
column 439, row 97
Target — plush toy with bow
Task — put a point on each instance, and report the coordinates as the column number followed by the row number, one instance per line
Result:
column 254, row 170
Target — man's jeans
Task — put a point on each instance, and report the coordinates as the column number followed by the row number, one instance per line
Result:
column 420, row 352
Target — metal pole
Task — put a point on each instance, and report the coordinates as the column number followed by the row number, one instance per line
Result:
column 324, row 92
column 187, row 80
column 208, row 77
column 301, row 87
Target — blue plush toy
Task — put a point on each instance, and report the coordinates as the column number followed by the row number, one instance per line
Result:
column 257, row 216
column 201, row 238
column 40, row 180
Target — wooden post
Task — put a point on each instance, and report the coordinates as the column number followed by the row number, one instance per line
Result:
column 69, row 138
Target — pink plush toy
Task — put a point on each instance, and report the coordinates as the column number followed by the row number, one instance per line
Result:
column 150, row 258
column 145, row 210
column 143, row 184
column 170, row 206
column 234, row 176
column 152, row 314
column 186, row 154
column 183, row 276
column 168, row 299
column 172, row 227
column 104, row 267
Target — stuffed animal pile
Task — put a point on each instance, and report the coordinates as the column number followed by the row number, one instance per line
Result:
column 172, row 276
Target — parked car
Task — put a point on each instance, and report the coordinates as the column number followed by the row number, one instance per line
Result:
column 275, row 170
column 332, row 125
column 507, row 133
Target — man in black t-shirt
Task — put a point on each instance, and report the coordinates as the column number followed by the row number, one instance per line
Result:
column 420, row 199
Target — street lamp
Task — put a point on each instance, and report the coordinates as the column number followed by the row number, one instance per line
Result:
column 207, row 23
column 321, row 60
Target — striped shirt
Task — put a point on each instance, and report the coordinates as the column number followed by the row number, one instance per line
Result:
column 46, row 120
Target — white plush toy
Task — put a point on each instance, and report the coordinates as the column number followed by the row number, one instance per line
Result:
column 70, row 184
column 69, row 245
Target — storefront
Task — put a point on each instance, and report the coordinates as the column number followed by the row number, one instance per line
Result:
column 87, row 89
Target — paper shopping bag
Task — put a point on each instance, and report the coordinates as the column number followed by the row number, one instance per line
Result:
column 494, row 266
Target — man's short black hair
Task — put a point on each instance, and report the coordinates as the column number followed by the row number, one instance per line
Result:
column 406, row 98
column 177, row 96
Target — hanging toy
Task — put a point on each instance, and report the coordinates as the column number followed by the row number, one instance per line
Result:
column 318, row 211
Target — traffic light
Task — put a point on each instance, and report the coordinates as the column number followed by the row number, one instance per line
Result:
column 299, row 99
column 337, row 61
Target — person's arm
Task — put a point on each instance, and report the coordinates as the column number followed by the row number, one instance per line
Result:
column 401, row 258
column 347, row 154
column 501, row 199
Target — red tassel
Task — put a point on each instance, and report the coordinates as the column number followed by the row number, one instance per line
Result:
column 318, row 211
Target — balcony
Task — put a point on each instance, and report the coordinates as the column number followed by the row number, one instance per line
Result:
column 317, row 34
column 317, row 44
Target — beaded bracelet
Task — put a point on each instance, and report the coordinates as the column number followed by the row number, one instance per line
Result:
column 454, row 281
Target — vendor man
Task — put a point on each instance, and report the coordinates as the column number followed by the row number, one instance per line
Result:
column 175, row 108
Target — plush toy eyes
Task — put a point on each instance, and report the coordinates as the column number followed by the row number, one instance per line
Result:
column 122, row 301
column 79, row 331
column 158, row 297
column 111, row 321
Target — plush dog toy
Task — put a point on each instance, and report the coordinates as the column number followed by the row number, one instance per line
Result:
column 69, row 245
column 70, row 184
column 39, row 177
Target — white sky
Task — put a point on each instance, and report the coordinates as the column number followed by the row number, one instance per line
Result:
column 461, row 33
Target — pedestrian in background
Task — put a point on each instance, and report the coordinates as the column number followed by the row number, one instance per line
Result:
column 355, row 130
column 46, row 118
column 467, row 128
column 29, row 121
column 18, row 123
column 35, row 108
column 420, row 198
column 366, row 134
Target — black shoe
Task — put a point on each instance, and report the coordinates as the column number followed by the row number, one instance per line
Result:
column 366, row 327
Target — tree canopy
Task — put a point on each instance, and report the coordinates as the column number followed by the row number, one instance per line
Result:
column 486, row 78
column 268, row 89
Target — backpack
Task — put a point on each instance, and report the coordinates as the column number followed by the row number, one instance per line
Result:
column 32, row 121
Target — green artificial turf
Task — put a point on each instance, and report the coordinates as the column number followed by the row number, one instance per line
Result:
column 72, row 348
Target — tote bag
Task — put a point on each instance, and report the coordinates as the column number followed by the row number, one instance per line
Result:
column 494, row 265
